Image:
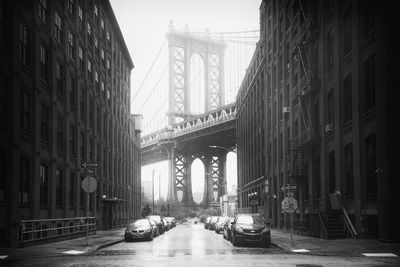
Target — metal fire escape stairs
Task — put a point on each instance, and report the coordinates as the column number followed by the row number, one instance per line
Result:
column 302, row 145
column 336, row 224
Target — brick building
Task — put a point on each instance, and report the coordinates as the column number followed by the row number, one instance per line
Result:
column 65, row 99
column 314, row 111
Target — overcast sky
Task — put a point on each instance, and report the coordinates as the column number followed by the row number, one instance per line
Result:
column 144, row 24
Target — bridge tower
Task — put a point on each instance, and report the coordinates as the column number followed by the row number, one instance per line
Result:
column 182, row 45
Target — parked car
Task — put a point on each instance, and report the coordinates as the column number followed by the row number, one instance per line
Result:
column 159, row 222
column 250, row 228
column 219, row 225
column 226, row 232
column 207, row 222
column 172, row 221
column 154, row 225
column 213, row 221
column 139, row 229
column 166, row 225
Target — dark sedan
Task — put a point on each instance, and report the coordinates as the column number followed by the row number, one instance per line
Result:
column 139, row 229
column 159, row 221
column 207, row 222
column 226, row 230
column 250, row 228
column 213, row 221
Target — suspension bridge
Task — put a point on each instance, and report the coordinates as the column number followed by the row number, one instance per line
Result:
column 187, row 100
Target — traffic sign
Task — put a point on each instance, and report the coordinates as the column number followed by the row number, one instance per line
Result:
column 90, row 164
column 288, row 187
column 89, row 184
column 289, row 204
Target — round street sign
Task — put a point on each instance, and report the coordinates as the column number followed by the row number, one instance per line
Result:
column 89, row 184
column 289, row 204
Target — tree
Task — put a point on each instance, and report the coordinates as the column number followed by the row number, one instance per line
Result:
column 146, row 210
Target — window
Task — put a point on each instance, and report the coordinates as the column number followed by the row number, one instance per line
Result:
column 44, row 177
column 42, row 10
column 331, row 170
column 347, row 99
column 89, row 71
column 80, row 58
column 70, row 45
column 2, row 25
column 96, row 80
column 59, row 187
column 71, row 6
column 370, row 165
column 60, row 132
column 44, row 124
column 57, row 27
column 43, row 64
column 368, row 11
column 59, row 80
column 72, row 140
column 330, row 52
column 24, row 178
column 348, row 172
column 26, row 112
column 369, row 83
column 83, row 152
column 23, row 44
column 330, row 107
column 3, row 175
column 83, row 103
column 72, row 93
column 71, row 189
column 3, row 101
column 347, row 32
column 80, row 19
column 89, row 32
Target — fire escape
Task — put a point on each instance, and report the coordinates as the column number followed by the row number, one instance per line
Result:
column 305, row 88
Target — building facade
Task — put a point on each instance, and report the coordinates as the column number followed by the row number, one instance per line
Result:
column 314, row 112
column 65, row 99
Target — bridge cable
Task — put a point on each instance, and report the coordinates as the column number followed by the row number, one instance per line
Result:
column 148, row 72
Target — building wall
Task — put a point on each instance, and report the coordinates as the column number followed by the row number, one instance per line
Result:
column 66, row 96
column 332, row 134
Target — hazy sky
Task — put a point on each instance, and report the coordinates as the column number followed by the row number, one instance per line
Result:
column 144, row 24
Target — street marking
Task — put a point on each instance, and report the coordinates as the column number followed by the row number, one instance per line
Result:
column 2, row 257
column 73, row 252
column 379, row 254
column 300, row 250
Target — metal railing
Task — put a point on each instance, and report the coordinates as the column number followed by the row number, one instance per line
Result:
column 36, row 230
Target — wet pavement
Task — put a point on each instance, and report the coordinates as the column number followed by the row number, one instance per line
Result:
column 191, row 245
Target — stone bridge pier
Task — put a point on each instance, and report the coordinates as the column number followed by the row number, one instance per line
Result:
column 180, row 176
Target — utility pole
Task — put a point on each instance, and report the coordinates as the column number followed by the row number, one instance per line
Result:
column 152, row 189
column 159, row 190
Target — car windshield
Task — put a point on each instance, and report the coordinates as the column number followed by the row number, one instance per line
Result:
column 141, row 223
column 214, row 219
column 155, row 218
column 250, row 219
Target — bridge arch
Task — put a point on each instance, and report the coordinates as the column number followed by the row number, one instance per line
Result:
column 182, row 45
column 198, row 182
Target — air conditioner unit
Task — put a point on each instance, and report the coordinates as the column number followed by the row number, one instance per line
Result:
column 328, row 127
column 285, row 109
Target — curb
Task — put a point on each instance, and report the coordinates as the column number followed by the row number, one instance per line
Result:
column 111, row 243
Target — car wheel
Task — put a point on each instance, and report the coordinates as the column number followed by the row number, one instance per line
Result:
column 234, row 241
column 151, row 237
column 266, row 243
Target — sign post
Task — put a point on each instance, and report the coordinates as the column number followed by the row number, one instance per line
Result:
column 89, row 184
column 289, row 205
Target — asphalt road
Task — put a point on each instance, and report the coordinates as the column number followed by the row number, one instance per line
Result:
column 192, row 245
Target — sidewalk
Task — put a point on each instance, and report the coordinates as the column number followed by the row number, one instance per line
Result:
column 332, row 247
column 72, row 246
